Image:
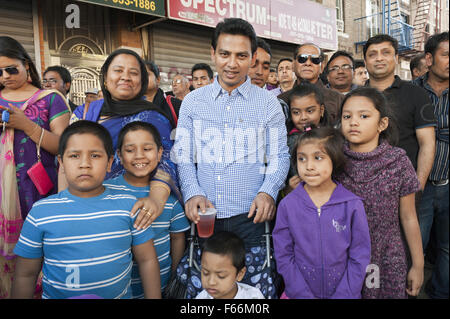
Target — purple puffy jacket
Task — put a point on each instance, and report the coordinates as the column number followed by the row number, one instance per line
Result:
column 322, row 252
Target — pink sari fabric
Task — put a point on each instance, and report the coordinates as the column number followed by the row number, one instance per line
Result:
column 13, row 166
column 10, row 216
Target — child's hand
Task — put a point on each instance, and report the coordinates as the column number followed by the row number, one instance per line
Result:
column 294, row 181
column 415, row 281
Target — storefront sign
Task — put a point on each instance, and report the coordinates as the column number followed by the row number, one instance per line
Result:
column 151, row 7
column 304, row 21
column 211, row 12
column 295, row 21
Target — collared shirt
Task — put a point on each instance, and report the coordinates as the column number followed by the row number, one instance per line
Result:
column 412, row 110
column 441, row 105
column 230, row 147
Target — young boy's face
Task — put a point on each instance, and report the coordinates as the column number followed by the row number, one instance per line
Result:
column 306, row 110
column 85, row 164
column 139, row 156
column 219, row 276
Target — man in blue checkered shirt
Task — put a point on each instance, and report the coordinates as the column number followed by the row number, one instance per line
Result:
column 230, row 143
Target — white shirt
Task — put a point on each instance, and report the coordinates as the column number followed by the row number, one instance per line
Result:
column 244, row 292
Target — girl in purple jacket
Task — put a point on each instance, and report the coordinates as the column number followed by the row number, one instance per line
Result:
column 321, row 237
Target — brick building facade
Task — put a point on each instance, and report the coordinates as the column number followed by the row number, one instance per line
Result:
column 354, row 24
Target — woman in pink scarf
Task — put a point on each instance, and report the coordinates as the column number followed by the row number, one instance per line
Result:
column 33, row 115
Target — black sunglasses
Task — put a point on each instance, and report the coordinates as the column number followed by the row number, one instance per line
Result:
column 10, row 70
column 302, row 58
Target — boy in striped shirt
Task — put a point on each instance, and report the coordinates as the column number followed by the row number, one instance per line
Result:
column 139, row 148
column 83, row 237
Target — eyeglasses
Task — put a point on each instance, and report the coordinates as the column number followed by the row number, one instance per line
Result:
column 176, row 82
column 344, row 67
column 10, row 70
column 51, row 81
column 316, row 59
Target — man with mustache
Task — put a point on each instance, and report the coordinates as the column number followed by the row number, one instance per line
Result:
column 308, row 64
column 340, row 71
column 410, row 104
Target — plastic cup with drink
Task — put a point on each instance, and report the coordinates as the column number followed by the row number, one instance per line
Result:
column 205, row 226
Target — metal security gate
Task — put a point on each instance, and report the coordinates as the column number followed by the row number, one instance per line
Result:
column 280, row 50
column 176, row 47
column 82, row 80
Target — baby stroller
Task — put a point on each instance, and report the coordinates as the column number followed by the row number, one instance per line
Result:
column 261, row 273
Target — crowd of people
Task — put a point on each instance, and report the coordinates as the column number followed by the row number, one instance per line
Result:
column 347, row 163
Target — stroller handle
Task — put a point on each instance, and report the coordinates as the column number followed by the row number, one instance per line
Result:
column 191, row 244
column 267, row 236
column 192, row 262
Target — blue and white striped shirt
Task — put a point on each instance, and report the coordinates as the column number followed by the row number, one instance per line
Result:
column 441, row 107
column 85, row 242
column 172, row 220
column 230, row 147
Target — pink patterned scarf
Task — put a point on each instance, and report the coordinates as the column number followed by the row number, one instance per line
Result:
column 10, row 217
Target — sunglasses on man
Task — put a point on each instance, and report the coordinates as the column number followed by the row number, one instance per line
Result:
column 11, row 70
column 316, row 59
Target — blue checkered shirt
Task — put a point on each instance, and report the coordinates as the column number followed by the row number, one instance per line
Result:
column 230, row 147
